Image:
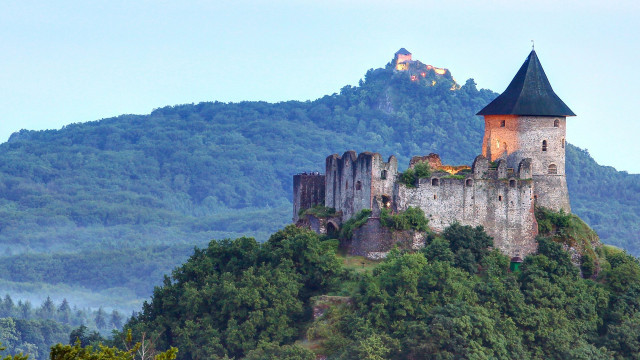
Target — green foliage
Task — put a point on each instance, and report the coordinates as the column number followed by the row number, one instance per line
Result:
column 140, row 351
column 551, row 222
column 233, row 296
column 359, row 219
column 420, row 170
column 453, row 299
column 13, row 357
column 319, row 211
column 606, row 199
column 410, row 219
column 469, row 245
column 270, row 351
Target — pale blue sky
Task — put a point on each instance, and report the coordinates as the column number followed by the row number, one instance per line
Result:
column 73, row 61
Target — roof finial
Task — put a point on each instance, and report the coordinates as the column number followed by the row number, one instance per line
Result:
column 533, row 46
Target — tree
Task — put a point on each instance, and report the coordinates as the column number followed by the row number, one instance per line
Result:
column 100, row 319
column 47, row 310
column 116, row 319
column 14, row 357
column 64, row 312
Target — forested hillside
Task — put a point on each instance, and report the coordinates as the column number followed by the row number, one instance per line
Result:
column 293, row 297
column 140, row 191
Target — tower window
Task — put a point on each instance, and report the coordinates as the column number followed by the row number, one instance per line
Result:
column 499, row 197
column 512, row 183
column 556, row 123
column 435, row 182
column 435, row 197
column 358, row 185
column 544, row 145
column 502, row 123
column 346, row 185
column 563, row 143
column 553, row 169
column 469, row 182
column 383, row 175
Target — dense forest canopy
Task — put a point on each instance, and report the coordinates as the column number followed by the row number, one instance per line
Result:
column 294, row 297
column 137, row 187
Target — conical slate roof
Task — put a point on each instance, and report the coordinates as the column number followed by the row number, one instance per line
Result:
column 529, row 93
column 402, row 51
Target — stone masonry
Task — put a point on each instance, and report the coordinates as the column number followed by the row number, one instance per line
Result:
column 522, row 166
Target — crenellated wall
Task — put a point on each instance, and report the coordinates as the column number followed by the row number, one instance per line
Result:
column 501, row 202
column 493, row 195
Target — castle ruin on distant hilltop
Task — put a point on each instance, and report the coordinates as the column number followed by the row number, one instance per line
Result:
column 522, row 165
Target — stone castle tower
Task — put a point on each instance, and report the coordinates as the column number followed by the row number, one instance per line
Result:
column 528, row 120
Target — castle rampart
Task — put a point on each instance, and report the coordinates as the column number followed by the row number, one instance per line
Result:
column 522, row 166
column 502, row 204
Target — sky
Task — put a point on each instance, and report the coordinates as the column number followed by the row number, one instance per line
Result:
column 65, row 62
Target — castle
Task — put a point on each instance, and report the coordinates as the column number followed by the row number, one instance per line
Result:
column 522, row 165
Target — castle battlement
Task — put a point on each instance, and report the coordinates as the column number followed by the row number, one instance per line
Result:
column 521, row 166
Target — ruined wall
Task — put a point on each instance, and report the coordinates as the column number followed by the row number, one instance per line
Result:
column 488, row 197
column 374, row 241
column 308, row 191
column 352, row 181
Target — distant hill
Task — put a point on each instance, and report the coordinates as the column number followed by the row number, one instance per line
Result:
column 139, row 188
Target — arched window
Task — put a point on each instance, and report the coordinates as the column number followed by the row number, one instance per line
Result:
column 502, row 123
column 512, row 183
column 544, row 145
column 358, row 185
column 386, row 201
column 435, row 182
column 469, row 182
column 499, row 197
column 383, row 175
column 556, row 123
column 563, row 143
column 553, row 169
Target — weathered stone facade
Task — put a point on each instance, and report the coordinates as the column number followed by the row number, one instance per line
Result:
column 499, row 200
column 353, row 181
column 539, row 138
column 522, row 166
column 308, row 191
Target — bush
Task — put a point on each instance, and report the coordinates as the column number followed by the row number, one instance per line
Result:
column 319, row 211
column 420, row 170
column 359, row 219
column 410, row 219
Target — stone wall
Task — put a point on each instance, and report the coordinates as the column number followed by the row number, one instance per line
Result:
column 308, row 191
column 374, row 241
column 502, row 205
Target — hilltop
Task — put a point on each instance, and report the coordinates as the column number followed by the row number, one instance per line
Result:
column 141, row 187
